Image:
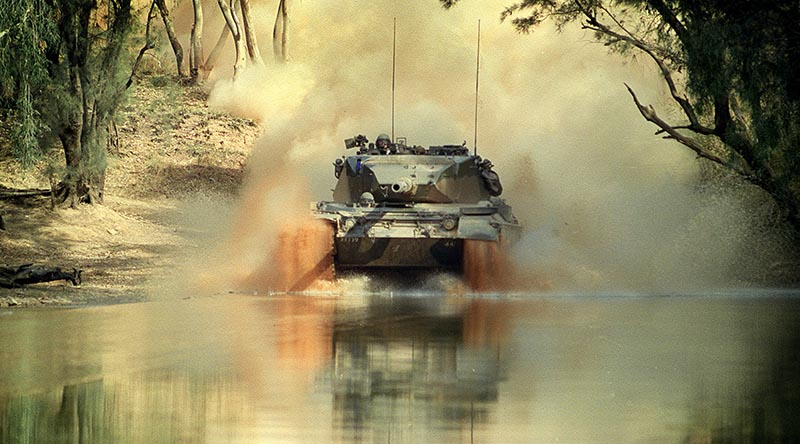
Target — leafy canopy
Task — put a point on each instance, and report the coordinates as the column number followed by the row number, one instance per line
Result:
column 59, row 59
column 27, row 32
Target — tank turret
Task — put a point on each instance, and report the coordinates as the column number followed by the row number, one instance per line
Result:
column 402, row 174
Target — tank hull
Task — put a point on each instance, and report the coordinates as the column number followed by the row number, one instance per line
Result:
column 398, row 252
column 416, row 236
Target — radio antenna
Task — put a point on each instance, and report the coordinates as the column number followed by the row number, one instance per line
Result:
column 477, row 75
column 394, row 51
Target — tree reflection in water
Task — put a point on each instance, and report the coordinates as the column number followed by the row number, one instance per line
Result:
column 765, row 412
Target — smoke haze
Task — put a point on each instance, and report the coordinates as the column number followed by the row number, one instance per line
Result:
column 606, row 204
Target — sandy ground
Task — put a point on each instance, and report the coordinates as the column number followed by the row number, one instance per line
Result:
column 172, row 150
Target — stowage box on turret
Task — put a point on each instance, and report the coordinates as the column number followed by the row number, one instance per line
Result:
column 396, row 205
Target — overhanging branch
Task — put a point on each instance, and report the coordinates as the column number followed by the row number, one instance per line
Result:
column 594, row 24
column 650, row 115
column 671, row 19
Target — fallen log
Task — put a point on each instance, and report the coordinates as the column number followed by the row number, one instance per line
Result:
column 12, row 277
column 17, row 193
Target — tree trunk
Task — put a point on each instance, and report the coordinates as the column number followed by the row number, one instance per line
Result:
column 235, row 26
column 280, row 33
column 196, row 49
column 70, row 137
column 177, row 48
column 249, row 34
column 212, row 59
column 84, row 151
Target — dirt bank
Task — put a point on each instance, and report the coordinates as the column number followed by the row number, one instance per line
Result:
column 172, row 150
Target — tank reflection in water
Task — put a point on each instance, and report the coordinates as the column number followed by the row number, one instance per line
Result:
column 299, row 369
column 405, row 367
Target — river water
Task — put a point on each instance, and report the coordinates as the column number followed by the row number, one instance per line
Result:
column 372, row 368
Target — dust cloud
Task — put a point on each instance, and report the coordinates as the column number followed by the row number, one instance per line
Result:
column 607, row 205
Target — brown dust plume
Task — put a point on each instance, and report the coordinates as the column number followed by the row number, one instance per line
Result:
column 606, row 205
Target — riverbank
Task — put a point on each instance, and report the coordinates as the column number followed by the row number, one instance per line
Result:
column 173, row 152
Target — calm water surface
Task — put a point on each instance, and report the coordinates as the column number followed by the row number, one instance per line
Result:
column 411, row 369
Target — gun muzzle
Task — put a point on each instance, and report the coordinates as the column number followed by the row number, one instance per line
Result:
column 406, row 185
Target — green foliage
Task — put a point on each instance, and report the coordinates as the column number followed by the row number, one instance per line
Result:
column 26, row 33
column 24, row 134
column 62, row 78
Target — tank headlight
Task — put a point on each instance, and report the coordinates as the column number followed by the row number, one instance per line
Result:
column 348, row 224
column 449, row 224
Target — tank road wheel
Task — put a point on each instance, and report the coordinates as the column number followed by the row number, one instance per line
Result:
column 304, row 256
column 485, row 265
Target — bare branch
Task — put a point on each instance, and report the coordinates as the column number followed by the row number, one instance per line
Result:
column 661, row 131
column 212, row 59
column 148, row 44
column 650, row 115
column 615, row 20
column 251, row 41
column 280, row 33
column 196, row 43
column 177, row 48
column 671, row 19
column 232, row 20
column 686, row 106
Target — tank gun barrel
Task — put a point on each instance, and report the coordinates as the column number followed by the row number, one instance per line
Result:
column 405, row 185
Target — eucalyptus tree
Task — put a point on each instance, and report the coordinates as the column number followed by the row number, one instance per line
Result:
column 177, row 48
column 280, row 32
column 731, row 69
column 61, row 82
column 241, row 29
column 251, row 42
column 235, row 25
column 196, row 42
